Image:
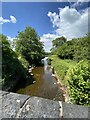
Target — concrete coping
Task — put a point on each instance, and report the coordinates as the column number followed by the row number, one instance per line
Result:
column 13, row 105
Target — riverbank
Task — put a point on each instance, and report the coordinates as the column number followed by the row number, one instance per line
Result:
column 60, row 72
column 62, row 87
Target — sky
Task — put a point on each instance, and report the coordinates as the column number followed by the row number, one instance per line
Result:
column 49, row 19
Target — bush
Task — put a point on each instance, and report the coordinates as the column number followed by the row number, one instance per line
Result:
column 23, row 61
column 79, row 83
column 49, row 61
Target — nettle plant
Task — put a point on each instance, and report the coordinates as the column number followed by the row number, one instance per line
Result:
column 79, row 83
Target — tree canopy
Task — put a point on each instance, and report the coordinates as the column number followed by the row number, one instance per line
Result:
column 28, row 44
column 12, row 69
column 57, row 43
column 75, row 49
column 28, row 50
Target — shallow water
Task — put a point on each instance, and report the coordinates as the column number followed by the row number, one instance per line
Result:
column 45, row 84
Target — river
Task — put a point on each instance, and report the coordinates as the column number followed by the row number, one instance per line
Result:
column 45, row 85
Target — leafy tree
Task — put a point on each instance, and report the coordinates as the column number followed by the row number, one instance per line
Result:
column 28, row 44
column 12, row 69
column 76, row 49
column 81, row 48
column 57, row 43
column 66, row 51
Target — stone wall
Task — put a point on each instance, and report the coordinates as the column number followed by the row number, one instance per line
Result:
column 14, row 105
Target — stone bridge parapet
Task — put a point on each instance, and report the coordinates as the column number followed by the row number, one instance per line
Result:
column 14, row 105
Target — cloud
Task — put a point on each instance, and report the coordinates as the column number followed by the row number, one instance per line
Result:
column 47, row 40
column 11, row 41
column 79, row 3
column 70, row 22
column 54, row 18
column 69, row 15
column 3, row 20
column 12, row 20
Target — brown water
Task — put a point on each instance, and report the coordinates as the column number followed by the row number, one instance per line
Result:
column 45, row 84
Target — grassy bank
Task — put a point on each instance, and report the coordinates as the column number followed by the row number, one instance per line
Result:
column 61, row 67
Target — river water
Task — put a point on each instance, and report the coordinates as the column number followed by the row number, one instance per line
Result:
column 45, row 85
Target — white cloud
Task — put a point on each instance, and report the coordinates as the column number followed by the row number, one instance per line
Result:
column 70, row 22
column 69, row 15
column 47, row 40
column 11, row 41
column 79, row 3
column 12, row 20
column 3, row 20
column 54, row 18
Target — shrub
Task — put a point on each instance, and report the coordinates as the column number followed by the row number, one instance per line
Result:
column 79, row 83
column 49, row 61
column 23, row 61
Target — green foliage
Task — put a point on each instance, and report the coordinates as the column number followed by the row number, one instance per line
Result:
column 58, row 42
column 29, row 50
column 49, row 61
column 79, row 83
column 82, row 49
column 61, row 67
column 23, row 61
column 66, row 51
column 78, row 77
column 28, row 45
column 76, row 49
column 12, row 69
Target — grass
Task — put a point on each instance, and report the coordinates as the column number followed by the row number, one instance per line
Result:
column 61, row 67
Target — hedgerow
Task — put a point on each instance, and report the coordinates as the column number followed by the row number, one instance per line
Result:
column 79, row 83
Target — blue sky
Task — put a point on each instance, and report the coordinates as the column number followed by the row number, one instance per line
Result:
column 32, row 14
column 45, row 18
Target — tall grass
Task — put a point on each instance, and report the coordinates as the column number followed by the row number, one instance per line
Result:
column 61, row 67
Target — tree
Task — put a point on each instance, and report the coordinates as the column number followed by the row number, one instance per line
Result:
column 66, row 51
column 58, row 42
column 76, row 49
column 28, row 44
column 12, row 69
